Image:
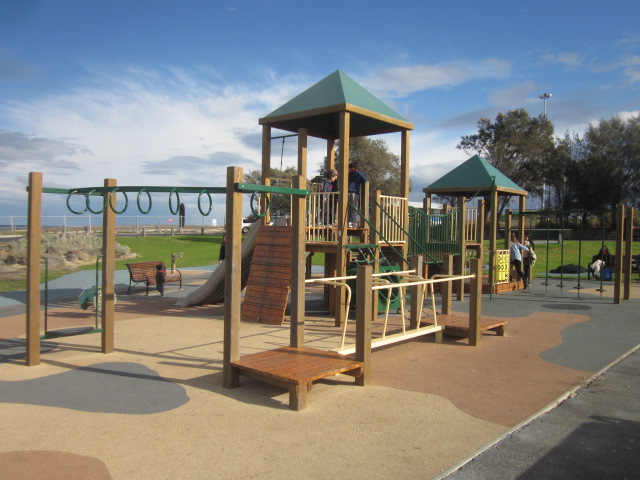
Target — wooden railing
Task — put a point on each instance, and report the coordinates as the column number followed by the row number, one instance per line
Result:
column 393, row 218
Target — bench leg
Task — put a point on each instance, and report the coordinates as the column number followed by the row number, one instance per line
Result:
column 298, row 396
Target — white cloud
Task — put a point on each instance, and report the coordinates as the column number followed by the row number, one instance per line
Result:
column 568, row 59
column 402, row 81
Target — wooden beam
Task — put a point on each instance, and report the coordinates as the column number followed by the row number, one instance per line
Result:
column 617, row 283
column 363, row 322
column 34, row 250
column 343, row 199
column 460, row 262
column 417, row 264
column 475, row 302
column 302, row 152
column 331, row 154
column 232, row 279
column 447, row 265
column 298, row 211
column 108, row 267
column 628, row 253
column 266, row 169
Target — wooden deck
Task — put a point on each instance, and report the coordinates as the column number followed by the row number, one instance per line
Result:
column 511, row 286
column 457, row 325
column 296, row 369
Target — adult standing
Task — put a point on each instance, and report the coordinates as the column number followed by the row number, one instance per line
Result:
column 515, row 256
column 356, row 180
column 528, row 257
column 181, row 211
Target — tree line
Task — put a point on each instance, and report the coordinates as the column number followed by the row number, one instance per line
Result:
column 596, row 170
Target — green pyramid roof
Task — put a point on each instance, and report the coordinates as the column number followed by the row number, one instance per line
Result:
column 317, row 109
column 474, row 176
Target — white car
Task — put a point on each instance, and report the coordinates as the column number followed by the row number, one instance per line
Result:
column 246, row 225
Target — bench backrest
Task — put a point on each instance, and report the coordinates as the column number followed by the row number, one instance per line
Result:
column 143, row 270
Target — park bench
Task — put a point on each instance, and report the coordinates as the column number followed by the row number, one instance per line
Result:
column 145, row 272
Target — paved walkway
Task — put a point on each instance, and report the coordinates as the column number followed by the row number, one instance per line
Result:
column 156, row 407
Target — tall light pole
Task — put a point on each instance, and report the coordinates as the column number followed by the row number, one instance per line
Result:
column 544, row 97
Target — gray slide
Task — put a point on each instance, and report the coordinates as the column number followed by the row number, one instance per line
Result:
column 212, row 291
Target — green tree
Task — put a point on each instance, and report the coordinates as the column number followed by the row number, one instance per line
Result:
column 613, row 160
column 377, row 162
column 516, row 144
column 280, row 204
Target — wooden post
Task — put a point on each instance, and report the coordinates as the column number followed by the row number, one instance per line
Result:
column 108, row 267
column 266, row 171
column 298, row 210
column 34, row 250
column 405, row 184
column 302, row 152
column 446, row 289
column 343, row 217
column 521, row 218
column 617, row 284
column 475, row 302
column 628, row 253
column 331, row 154
column 374, row 239
column 232, row 279
column 508, row 219
column 480, row 232
column 416, row 293
column 363, row 322
column 493, row 236
column 459, row 263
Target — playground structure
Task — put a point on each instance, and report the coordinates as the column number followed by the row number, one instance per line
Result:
column 384, row 224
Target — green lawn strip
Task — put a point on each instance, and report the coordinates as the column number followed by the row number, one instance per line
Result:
column 197, row 250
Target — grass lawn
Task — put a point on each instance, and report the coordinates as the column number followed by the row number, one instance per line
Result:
column 197, row 250
column 202, row 250
column 571, row 252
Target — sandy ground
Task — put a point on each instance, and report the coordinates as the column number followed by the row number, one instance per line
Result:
column 156, row 408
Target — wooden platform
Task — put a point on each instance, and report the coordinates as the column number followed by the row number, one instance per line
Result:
column 511, row 286
column 457, row 325
column 296, row 369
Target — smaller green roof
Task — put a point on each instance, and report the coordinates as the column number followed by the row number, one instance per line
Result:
column 474, row 176
column 317, row 109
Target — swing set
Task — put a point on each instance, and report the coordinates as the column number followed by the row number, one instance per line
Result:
column 623, row 245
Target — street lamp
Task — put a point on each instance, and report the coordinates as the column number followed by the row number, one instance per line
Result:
column 544, row 97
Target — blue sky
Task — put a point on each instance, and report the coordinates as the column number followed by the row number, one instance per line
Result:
column 168, row 92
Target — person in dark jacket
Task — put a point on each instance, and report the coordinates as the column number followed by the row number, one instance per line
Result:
column 601, row 261
column 329, row 185
column 223, row 247
column 356, row 180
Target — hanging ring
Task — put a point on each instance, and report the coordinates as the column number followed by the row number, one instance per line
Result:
column 174, row 212
column 88, row 201
column 69, row 206
column 210, row 203
column 256, row 212
column 144, row 212
column 126, row 201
